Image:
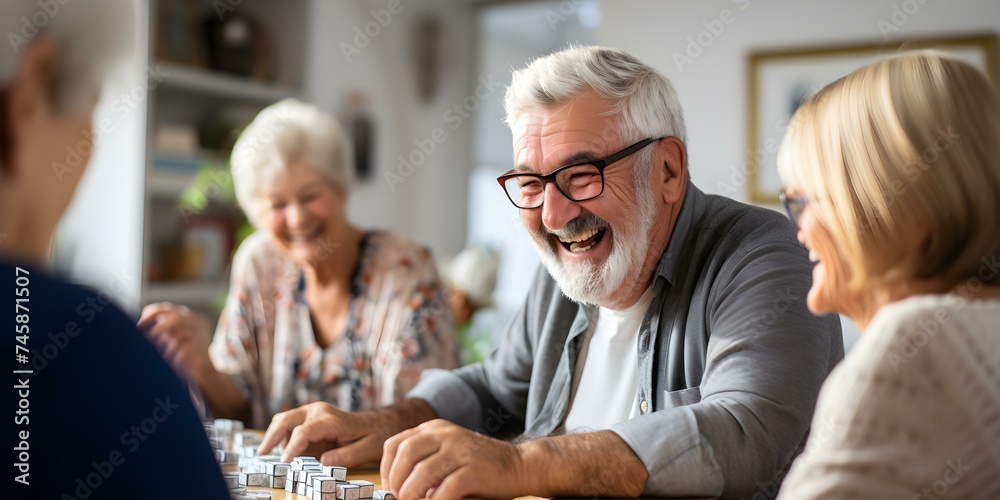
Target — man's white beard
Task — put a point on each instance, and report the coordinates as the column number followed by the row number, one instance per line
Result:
column 595, row 283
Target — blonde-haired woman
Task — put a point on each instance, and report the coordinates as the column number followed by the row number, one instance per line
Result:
column 893, row 180
column 318, row 309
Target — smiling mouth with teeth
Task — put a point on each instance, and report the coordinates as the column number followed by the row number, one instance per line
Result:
column 301, row 237
column 583, row 241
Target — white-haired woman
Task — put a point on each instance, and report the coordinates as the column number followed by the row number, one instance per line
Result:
column 893, row 179
column 318, row 309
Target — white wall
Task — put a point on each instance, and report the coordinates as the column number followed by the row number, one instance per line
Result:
column 510, row 36
column 430, row 204
column 712, row 88
column 99, row 240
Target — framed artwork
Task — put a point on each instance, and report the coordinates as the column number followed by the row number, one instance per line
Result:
column 779, row 81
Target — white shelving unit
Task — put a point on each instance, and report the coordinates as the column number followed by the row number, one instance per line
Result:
column 162, row 183
column 200, row 292
column 193, row 96
column 222, row 85
column 126, row 210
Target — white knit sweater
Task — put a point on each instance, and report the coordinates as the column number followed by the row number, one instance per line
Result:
column 913, row 412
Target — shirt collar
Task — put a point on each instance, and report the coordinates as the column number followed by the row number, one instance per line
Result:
column 691, row 209
column 670, row 262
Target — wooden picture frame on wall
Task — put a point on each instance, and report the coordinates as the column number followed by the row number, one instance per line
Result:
column 779, row 81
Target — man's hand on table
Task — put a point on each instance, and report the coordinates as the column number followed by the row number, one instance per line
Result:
column 427, row 458
column 440, row 460
column 338, row 437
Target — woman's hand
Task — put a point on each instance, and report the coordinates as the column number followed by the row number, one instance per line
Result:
column 182, row 337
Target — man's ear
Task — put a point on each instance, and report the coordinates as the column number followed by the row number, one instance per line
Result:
column 26, row 97
column 671, row 158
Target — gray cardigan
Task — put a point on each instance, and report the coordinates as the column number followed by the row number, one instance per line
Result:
column 730, row 359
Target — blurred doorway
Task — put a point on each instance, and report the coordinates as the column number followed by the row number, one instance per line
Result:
column 509, row 36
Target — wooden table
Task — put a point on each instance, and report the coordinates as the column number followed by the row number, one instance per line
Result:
column 366, row 473
column 369, row 474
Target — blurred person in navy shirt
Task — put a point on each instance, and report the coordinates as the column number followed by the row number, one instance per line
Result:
column 97, row 412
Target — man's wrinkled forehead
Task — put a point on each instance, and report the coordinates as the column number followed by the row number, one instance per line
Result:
column 550, row 137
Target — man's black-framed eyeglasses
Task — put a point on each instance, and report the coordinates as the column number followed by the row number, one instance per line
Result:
column 578, row 182
column 794, row 205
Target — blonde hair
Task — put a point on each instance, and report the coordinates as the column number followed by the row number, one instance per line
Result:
column 285, row 132
column 906, row 144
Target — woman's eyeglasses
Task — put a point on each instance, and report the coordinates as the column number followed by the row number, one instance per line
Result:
column 794, row 205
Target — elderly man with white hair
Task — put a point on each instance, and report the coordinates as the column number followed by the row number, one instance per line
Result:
column 97, row 413
column 667, row 350
column 318, row 309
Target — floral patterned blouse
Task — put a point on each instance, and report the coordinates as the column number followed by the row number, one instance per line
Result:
column 399, row 323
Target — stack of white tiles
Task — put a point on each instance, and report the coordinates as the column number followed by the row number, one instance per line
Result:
column 242, row 468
